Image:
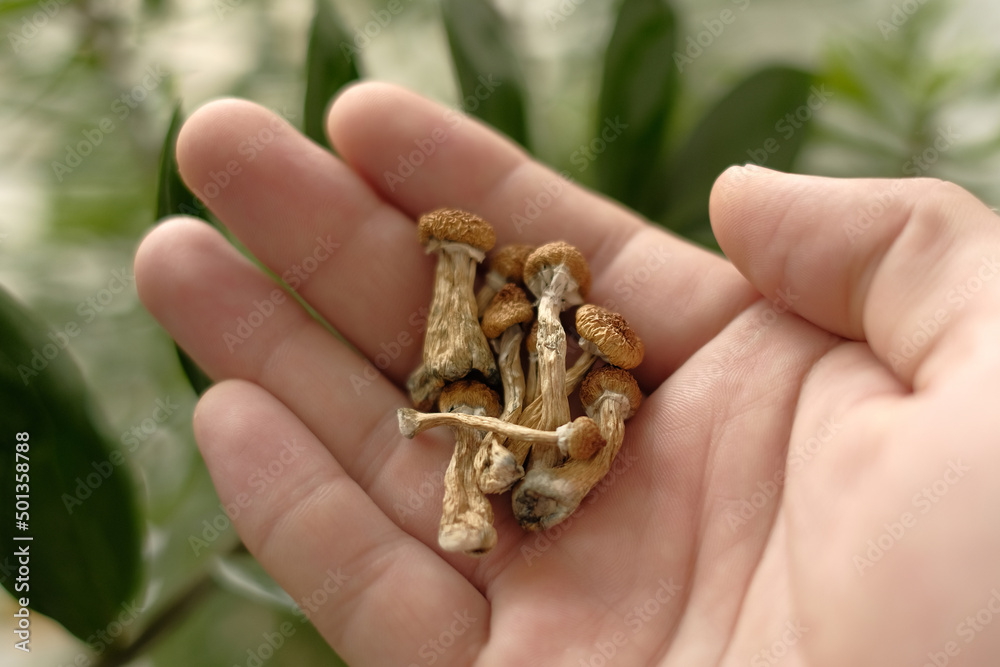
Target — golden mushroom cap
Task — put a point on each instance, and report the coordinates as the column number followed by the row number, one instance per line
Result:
column 510, row 306
column 470, row 397
column 618, row 344
column 456, row 226
column 613, row 380
column 509, row 260
column 551, row 255
column 586, row 439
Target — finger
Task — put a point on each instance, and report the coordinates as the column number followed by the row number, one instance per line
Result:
column 352, row 571
column 201, row 289
column 907, row 265
column 419, row 155
column 310, row 219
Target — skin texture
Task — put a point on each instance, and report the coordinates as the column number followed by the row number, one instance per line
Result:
column 740, row 388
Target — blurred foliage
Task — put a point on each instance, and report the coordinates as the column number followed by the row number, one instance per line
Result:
column 640, row 83
column 63, row 484
column 331, row 63
column 88, row 86
column 174, row 198
column 489, row 73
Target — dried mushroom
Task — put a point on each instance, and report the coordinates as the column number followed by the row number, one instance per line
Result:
column 454, row 344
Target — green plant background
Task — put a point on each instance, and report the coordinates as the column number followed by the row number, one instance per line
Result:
column 892, row 84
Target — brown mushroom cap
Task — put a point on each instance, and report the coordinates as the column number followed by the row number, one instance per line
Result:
column 457, row 226
column 510, row 306
column 619, row 345
column 531, row 340
column 586, row 439
column 509, row 260
column 469, row 394
column 610, row 379
column 554, row 254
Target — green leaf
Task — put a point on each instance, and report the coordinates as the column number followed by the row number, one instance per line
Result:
column 490, row 81
column 84, row 557
column 763, row 119
column 330, row 65
column 637, row 97
column 174, row 198
column 197, row 378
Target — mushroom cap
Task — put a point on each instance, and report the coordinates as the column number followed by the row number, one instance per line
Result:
column 474, row 397
column 618, row 344
column 531, row 340
column 610, row 379
column 457, row 226
column 510, row 306
column 586, row 439
column 554, row 254
column 509, row 260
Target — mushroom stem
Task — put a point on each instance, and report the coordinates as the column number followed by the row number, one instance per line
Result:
column 454, row 341
column 497, row 468
column 531, row 385
column 581, row 365
column 552, row 349
column 579, row 438
column 557, row 274
column 532, row 413
column 548, row 496
column 466, row 513
column 454, row 344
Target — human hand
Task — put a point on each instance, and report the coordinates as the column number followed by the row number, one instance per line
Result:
column 869, row 372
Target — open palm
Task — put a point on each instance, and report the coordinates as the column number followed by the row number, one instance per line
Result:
column 868, row 374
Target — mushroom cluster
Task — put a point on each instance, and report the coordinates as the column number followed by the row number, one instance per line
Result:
column 510, row 412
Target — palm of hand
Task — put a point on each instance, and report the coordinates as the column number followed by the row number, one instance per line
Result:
column 696, row 550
